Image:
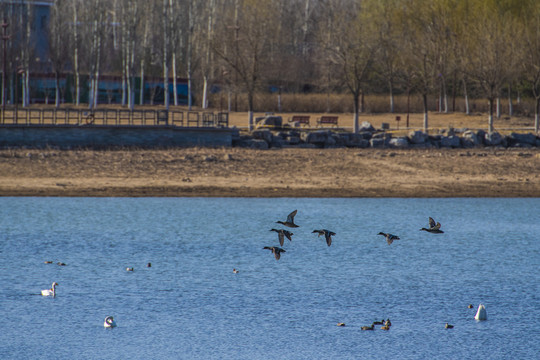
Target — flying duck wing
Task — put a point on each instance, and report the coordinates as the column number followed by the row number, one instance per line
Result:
column 431, row 222
column 290, row 217
column 281, row 238
column 288, row 234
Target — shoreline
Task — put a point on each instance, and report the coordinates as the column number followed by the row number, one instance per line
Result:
column 238, row 172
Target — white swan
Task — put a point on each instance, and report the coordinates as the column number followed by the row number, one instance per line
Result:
column 481, row 313
column 51, row 291
column 109, row 322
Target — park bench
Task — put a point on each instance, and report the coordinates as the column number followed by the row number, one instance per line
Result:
column 300, row 119
column 327, row 120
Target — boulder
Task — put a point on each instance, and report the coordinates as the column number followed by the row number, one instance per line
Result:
column 451, row 141
column 400, row 143
column 417, row 137
column 377, row 142
column 355, row 140
column 330, row 141
column 265, row 135
column 366, row 126
column 318, row 138
column 481, row 135
column 469, row 139
column 258, row 144
column 522, row 140
column 293, row 140
column 494, row 139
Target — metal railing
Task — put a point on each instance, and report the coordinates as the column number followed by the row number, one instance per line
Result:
column 112, row 117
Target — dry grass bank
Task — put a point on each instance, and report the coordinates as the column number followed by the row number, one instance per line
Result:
column 272, row 173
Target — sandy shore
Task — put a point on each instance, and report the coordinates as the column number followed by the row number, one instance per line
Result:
column 272, row 173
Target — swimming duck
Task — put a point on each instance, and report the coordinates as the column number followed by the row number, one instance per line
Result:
column 327, row 235
column 387, row 322
column 51, row 291
column 48, row 262
column 340, row 324
column 448, row 326
column 378, row 322
column 290, row 220
column 470, row 306
column 433, row 227
column 368, row 327
column 149, row 265
column 235, row 271
column 61, row 263
column 385, row 327
column 109, row 322
column 389, row 237
column 275, row 250
column 129, row 269
column 282, row 234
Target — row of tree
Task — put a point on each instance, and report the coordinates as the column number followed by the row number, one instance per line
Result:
column 424, row 47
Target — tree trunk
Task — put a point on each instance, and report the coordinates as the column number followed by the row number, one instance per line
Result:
column 537, row 115
column 490, row 119
column 175, row 88
column 205, row 92
column 76, row 55
column 57, row 90
column 165, row 55
column 498, row 107
column 250, row 109
column 391, row 87
column 510, row 106
column 424, row 97
column 356, row 102
column 466, row 96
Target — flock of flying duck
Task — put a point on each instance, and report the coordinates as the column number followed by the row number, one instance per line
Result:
column 434, row 227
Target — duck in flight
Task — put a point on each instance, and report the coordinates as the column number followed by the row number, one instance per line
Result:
column 433, row 227
column 275, row 250
column 51, row 291
column 282, row 234
column 290, row 220
column 389, row 237
column 327, row 235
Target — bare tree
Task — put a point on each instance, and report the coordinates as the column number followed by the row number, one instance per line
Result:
column 351, row 48
column 490, row 52
column 531, row 52
column 242, row 44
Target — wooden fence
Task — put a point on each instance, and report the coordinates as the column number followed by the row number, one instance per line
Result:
column 112, row 117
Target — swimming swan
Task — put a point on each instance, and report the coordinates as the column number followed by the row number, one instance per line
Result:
column 481, row 313
column 51, row 291
column 109, row 322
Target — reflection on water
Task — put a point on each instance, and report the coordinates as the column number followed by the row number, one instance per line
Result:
column 191, row 305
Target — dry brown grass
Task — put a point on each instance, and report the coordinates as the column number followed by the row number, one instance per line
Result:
column 272, row 173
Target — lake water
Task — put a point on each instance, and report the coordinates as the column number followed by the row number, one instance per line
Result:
column 190, row 304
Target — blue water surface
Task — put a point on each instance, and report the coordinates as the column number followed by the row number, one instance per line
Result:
column 190, row 304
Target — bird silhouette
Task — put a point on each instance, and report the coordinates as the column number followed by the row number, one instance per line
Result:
column 389, row 237
column 327, row 235
column 290, row 220
column 282, row 233
column 275, row 250
column 434, row 227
